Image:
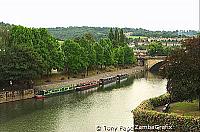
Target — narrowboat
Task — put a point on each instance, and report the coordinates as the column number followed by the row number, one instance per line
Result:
column 87, row 85
column 122, row 77
column 104, row 81
column 44, row 93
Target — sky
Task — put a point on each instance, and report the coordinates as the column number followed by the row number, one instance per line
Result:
column 148, row 14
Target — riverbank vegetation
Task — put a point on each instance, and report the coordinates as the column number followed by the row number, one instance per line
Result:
column 185, row 108
column 182, row 69
column 183, row 72
column 30, row 53
column 145, row 114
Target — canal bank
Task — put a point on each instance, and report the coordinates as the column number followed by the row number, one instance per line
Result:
column 130, row 71
column 15, row 95
column 82, row 111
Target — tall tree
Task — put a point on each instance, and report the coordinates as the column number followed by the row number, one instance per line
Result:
column 99, row 54
column 122, row 38
column 129, row 57
column 41, row 41
column 107, row 48
column 87, row 42
column 20, row 63
column 116, row 38
column 73, row 56
column 119, row 56
column 111, row 35
column 183, row 71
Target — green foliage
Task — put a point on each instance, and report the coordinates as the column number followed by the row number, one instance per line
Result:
column 20, row 63
column 99, row 54
column 144, row 115
column 157, row 49
column 41, row 41
column 122, row 38
column 129, row 57
column 27, row 53
column 183, row 71
column 185, row 108
column 62, row 33
column 87, row 42
column 107, row 54
column 117, row 38
column 46, row 52
column 119, row 56
column 111, row 35
column 74, row 57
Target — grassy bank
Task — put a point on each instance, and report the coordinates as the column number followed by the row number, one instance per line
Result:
column 145, row 114
column 185, row 108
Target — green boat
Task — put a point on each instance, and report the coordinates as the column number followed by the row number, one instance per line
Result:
column 64, row 89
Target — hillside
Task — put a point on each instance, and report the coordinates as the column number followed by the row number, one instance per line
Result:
column 100, row 32
column 62, row 33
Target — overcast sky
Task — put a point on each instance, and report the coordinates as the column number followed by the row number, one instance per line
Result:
column 148, row 14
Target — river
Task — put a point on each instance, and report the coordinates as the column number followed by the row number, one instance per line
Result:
column 83, row 111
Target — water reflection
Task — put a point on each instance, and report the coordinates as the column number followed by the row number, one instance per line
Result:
column 81, row 111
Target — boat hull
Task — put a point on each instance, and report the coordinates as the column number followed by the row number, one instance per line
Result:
column 39, row 96
column 86, row 87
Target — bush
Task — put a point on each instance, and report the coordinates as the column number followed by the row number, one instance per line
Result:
column 144, row 115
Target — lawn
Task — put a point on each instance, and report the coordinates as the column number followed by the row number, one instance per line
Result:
column 136, row 37
column 185, row 108
column 60, row 42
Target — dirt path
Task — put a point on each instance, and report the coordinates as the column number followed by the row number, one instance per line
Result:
column 95, row 77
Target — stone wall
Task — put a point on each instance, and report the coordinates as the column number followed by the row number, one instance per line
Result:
column 7, row 96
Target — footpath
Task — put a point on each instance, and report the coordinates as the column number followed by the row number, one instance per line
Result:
column 75, row 81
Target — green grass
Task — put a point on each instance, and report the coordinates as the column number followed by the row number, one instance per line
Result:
column 185, row 108
column 60, row 42
column 136, row 37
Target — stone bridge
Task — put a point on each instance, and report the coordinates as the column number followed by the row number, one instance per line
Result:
column 151, row 63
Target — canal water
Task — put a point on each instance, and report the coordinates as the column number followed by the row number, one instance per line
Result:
column 84, row 111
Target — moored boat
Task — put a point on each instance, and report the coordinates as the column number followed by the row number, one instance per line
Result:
column 104, row 81
column 44, row 93
column 87, row 85
column 122, row 77
column 39, row 96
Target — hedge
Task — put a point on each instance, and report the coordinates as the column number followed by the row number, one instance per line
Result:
column 144, row 115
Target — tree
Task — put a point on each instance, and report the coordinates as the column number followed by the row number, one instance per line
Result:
column 49, row 48
column 119, row 56
column 4, row 37
column 122, row 38
column 107, row 54
column 99, row 54
column 89, row 37
column 20, row 63
column 155, row 48
column 73, row 56
column 42, row 43
column 111, row 35
column 183, row 71
column 116, row 38
column 89, row 54
column 129, row 57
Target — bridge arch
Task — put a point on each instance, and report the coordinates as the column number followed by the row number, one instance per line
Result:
column 157, row 66
column 154, row 63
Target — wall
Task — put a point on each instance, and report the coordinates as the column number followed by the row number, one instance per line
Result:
column 7, row 96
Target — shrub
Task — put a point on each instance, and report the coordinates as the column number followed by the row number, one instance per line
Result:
column 144, row 115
